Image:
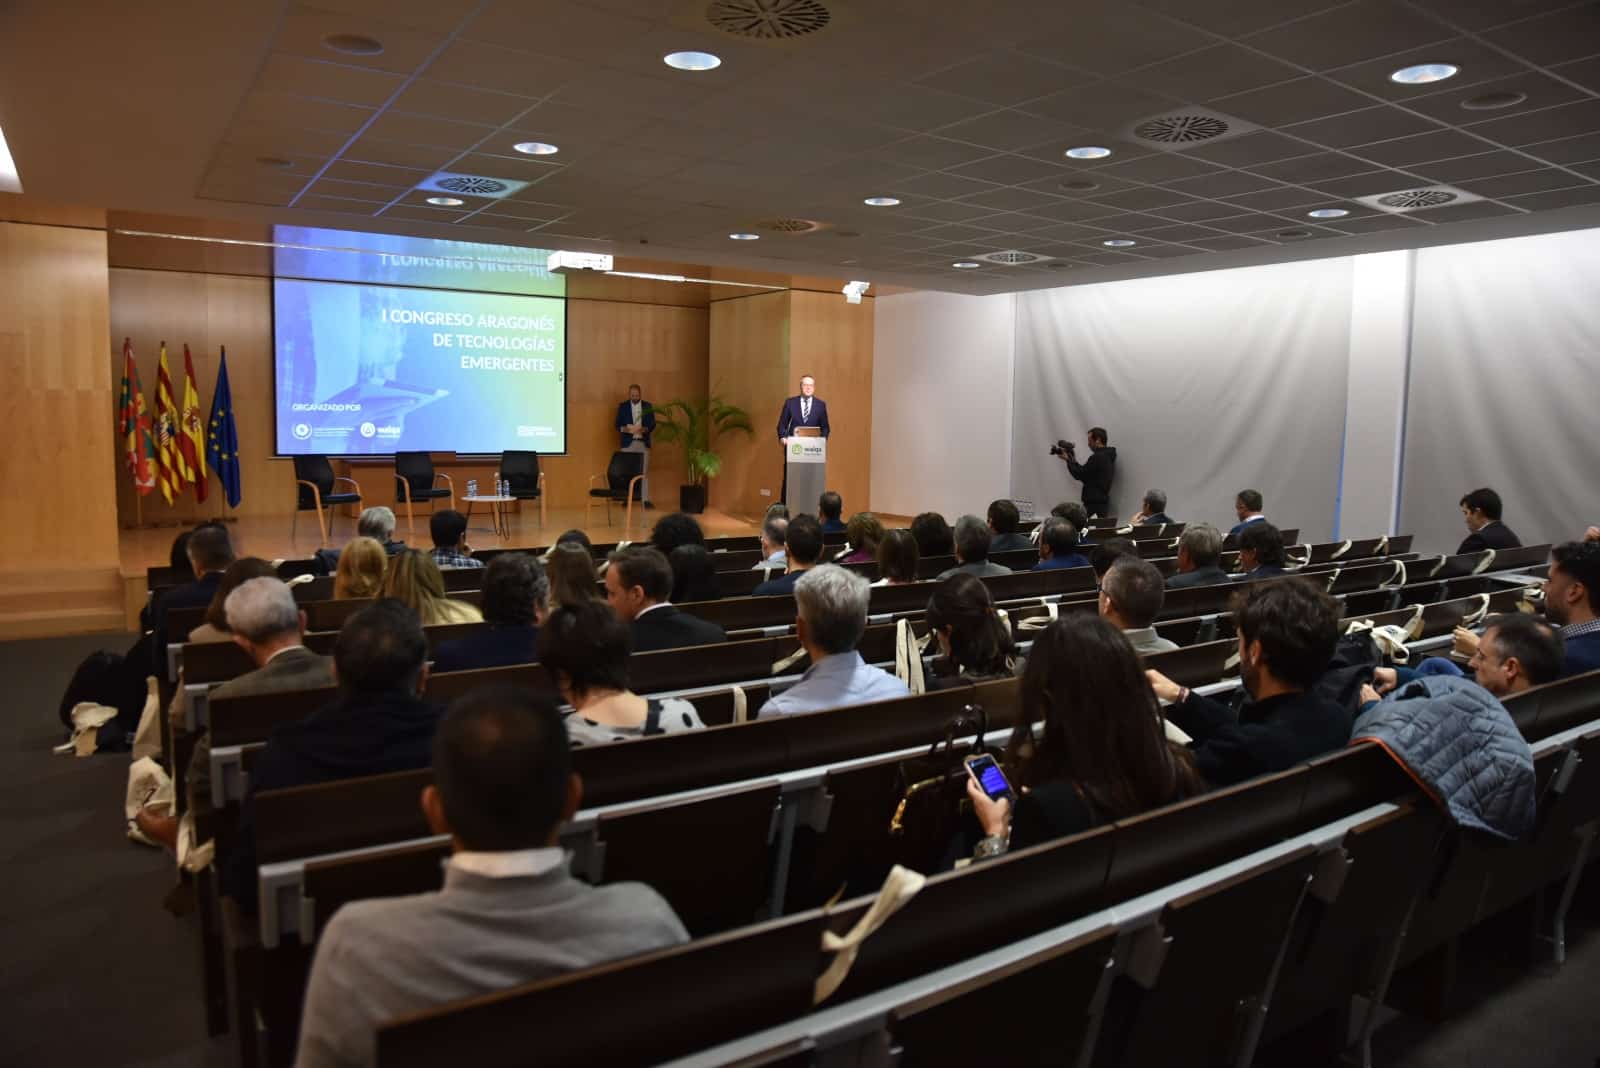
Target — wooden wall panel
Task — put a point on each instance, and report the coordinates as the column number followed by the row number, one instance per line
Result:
column 58, row 403
column 749, row 366
column 831, row 340
column 167, row 254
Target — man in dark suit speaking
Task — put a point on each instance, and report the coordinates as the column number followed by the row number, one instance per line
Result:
column 805, row 410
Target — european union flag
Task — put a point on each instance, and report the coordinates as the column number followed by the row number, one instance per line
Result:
column 222, row 437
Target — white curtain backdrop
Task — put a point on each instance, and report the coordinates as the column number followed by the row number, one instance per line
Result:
column 1505, row 362
column 1208, row 384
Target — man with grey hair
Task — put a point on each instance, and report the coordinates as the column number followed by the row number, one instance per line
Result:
column 774, row 532
column 972, row 550
column 832, row 605
column 1130, row 599
column 377, row 523
column 1154, row 511
column 1199, row 549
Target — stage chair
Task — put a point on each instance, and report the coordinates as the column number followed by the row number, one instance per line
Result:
column 520, row 468
column 623, row 475
column 414, row 480
column 314, row 479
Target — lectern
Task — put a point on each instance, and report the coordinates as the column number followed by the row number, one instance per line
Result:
column 806, row 468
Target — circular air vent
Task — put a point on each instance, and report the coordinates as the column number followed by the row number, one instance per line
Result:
column 1494, row 101
column 476, row 186
column 768, row 20
column 1060, row 265
column 1079, row 185
column 1012, row 257
column 1293, row 235
column 1181, row 129
column 353, row 44
column 789, row 226
column 1417, row 198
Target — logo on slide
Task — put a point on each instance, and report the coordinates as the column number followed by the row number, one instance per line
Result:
column 302, row 430
column 368, row 429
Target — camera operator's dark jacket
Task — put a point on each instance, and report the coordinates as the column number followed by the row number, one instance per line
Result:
column 1095, row 474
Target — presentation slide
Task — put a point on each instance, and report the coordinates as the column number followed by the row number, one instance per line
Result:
column 384, row 368
column 345, row 256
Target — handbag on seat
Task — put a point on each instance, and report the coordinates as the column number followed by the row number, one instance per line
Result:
column 933, row 791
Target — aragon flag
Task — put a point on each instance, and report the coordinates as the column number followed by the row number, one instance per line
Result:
column 169, row 464
column 191, row 433
column 222, row 442
column 139, row 448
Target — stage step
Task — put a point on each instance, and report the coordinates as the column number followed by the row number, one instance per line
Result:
column 52, row 603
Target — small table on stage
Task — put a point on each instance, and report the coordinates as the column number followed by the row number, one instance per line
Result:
column 497, row 512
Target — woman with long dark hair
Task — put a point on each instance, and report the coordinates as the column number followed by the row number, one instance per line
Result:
column 694, row 574
column 970, row 632
column 1103, row 754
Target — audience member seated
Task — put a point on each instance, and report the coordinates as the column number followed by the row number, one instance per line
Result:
column 572, row 576
column 776, row 510
column 1247, row 506
column 864, row 533
column 1103, row 754
column 832, row 605
column 378, row 724
column 694, row 574
column 804, row 546
column 932, row 535
column 448, row 529
column 639, row 588
column 209, row 552
column 971, row 635
column 414, row 580
column 1154, row 510
column 585, row 648
column 1130, row 599
column 972, row 550
column 376, row 523
column 178, row 557
column 1108, row 552
column 1480, row 509
column 510, row 911
column 516, row 597
column 830, row 506
column 774, row 532
column 1003, row 522
column 1261, row 552
column 897, row 558
column 1058, row 546
column 574, row 537
column 675, row 529
column 1076, row 514
column 214, row 626
column 1287, row 634
column 1515, row 652
column 1199, row 549
column 1592, row 534
column 1572, row 602
column 359, row 575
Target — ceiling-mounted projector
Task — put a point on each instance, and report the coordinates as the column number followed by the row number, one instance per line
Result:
column 564, row 262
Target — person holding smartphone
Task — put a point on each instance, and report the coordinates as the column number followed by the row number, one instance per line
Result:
column 1103, row 754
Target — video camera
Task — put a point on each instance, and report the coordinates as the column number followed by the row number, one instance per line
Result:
column 1062, row 448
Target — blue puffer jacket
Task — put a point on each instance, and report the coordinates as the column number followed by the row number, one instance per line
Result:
column 1455, row 738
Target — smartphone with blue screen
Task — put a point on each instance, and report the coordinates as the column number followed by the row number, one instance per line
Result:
column 990, row 779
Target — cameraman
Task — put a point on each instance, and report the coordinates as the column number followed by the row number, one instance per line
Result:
column 1095, row 473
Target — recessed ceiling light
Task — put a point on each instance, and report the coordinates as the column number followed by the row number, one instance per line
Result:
column 353, row 44
column 275, row 162
column 744, row 237
column 881, row 202
column 1505, row 98
column 1294, row 233
column 1119, row 242
column 1424, row 73
column 1327, row 213
column 1088, row 152
column 1079, row 185
column 691, row 61
column 966, row 265
column 447, row 202
column 536, row 148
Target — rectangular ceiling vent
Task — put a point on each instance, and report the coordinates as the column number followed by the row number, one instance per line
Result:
column 1185, row 127
column 472, row 185
column 1012, row 258
column 1406, row 201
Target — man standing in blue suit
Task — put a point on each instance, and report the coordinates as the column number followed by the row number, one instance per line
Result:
column 636, row 421
column 805, row 410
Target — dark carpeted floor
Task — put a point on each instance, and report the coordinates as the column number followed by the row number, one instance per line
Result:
column 96, row 972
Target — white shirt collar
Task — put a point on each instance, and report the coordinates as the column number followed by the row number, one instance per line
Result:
column 651, row 608
column 511, row 864
column 285, row 649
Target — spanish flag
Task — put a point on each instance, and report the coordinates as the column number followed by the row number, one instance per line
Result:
column 192, row 433
column 169, row 469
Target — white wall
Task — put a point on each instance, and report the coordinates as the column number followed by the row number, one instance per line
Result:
column 941, row 402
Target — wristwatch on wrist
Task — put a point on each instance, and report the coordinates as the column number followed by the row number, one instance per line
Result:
column 992, row 846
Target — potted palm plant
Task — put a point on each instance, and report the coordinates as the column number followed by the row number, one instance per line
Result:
column 696, row 425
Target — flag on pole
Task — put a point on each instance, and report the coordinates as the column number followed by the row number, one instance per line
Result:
column 169, row 475
column 222, row 444
column 191, row 434
column 138, row 444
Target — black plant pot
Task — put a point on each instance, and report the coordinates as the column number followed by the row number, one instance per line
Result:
column 692, row 499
